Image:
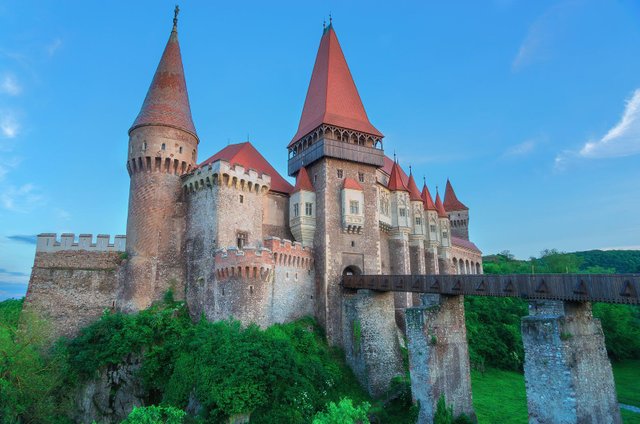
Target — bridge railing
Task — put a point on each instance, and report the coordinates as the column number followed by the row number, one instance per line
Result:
column 610, row 288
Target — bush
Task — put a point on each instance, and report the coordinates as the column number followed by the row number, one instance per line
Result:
column 343, row 413
column 155, row 415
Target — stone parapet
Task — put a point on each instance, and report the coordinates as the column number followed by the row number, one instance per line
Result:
column 289, row 253
column 48, row 242
column 222, row 172
column 250, row 263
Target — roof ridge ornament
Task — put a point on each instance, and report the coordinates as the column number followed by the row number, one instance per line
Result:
column 175, row 17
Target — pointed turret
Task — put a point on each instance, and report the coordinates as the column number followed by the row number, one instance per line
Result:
column 427, row 199
column 440, row 207
column 302, row 181
column 395, row 179
column 167, row 101
column 414, row 193
column 458, row 213
column 451, row 202
column 332, row 97
column 333, row 114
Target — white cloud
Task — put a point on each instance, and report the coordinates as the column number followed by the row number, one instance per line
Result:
column 53, row 47
column 21, row 199
column 537, row 43
column 62, row 214
column 631, row 247
column 621, row 140
column 9, row 125
column 10, row 85
column 521, row 149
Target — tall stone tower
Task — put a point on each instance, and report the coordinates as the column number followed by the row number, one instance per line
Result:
column 458, row 213
column 341, row 151
column 163, row 145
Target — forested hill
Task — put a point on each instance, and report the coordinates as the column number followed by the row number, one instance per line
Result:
column 553, row 261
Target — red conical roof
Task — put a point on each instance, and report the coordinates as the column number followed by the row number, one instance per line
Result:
column 167, row 101
column 302, row 181
column 351, row 184
column 451, row 202
column 332, row 97
column 395, row 179
column 414, row 193
column 427, row 200
column 440, row 207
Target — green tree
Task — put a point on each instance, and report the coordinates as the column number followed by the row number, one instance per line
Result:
column 343, row 413
column 155, row 415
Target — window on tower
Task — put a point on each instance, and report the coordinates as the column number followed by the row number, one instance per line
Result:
column 403, row 212
column 308, row 208
column 340, row 173
column 180, row 149
column 418, row 220
column 163, row 147
column 361, row 176
column 241, row 237
column 144, row 146
column 296, row 210
column 354, row 207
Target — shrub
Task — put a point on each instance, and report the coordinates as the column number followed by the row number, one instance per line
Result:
column 343, row 413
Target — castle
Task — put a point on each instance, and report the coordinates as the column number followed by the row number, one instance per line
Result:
column 232, row 237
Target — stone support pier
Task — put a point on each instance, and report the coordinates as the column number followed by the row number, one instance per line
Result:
column 438, row 355
column 418, row 262
column 370, row 339
column 567, row 372
column 400, row 265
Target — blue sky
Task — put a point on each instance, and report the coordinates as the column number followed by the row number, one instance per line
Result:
column 531, row 108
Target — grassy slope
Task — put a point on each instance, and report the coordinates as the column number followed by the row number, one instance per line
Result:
column 499, row 396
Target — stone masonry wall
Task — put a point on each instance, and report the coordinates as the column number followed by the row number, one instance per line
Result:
column 275, row 221
column 370, row 339
column 568, row 375
column 335, row 249
column 438, row 355
column 72, row 288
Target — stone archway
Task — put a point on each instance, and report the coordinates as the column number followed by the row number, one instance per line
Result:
column 352, row 270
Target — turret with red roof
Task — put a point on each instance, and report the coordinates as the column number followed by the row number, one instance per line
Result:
column 458, row 213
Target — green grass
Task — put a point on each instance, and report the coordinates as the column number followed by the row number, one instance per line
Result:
column 500, row 396
column 627, row 377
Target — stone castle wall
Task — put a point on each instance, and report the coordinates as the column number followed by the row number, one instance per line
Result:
column 71, row 286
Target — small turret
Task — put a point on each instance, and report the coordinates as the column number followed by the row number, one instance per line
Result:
column 162, row 147
column 302, row 209
column 458, row 213
column 431, row 214
column 400, row 200
column 417, row 206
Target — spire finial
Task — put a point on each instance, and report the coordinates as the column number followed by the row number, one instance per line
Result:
column 394, row 156
column 424, row 180
column 330, row 19
column 324, row 24
column 175, row 17
column 410, row 171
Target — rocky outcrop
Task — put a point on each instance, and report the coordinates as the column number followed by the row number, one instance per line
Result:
column 111, row 396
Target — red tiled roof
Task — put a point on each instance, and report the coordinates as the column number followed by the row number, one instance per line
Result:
column 427, row 200
column 456, row 241
column 451, row 202
column 440, row 208
column 302, row 181
column 245, row 155
column 167, row 101
column 414, row 193
column 395, row 179
column 388, row 166
column 332, row 96
column 352, row 184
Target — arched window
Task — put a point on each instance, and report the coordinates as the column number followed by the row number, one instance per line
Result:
column 164, row 146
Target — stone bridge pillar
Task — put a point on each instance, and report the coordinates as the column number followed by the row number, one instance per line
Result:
column 438, row 355
column 567, row 372
column 400, row 265
column 370, row 339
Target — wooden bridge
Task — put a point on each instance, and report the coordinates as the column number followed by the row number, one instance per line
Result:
column 610, row 288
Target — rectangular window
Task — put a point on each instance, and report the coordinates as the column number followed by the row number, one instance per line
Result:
column 445, row 234
column 403, row 212
column 296, row 210
column 241, row 198
column 354, row 207
column 308, row 209
column 242, row 239
column 340, row 173
column 361, row 176
column 433, row 228
column 418, row 220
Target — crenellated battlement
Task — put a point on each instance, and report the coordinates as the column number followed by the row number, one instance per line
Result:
column 48, row 242
column 223, row 173
column 289, row 253
column 256, row 263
